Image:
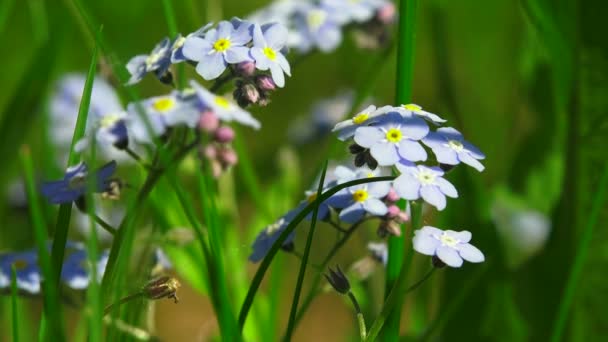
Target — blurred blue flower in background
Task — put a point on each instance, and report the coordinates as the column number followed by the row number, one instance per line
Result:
column 270, row 234
column 319, row 27
column 426, row 182
column 268, row 41
column 76, row 270
column 220, row 47
column 74, row 183
column 449, row 246
column 450, row 148
column 158, row 61
column 26, row 268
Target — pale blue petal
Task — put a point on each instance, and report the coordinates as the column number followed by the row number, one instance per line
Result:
column 470, row 253
column 449, row 256
column 415, row 128
column 259, row 40
column 425, row 244
column 433, row 196
column 368, row 136
column 353, row 213
column 261, row 61
column 277, row 75
column 446, row 187
column 276, row 36
column 385, row 154
column 195, row 47
column 463, row 236
column 445, row 155
column 430, row 230
column 211, row 66
column 407, row 187
column 412, row 150
column 379, row 189
column 237, row 54
column 469, row 160
column 375, row 207
column 224, row 29
column 282, row 61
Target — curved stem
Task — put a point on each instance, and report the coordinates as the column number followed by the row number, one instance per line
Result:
column 105, row 225
column 123, row 300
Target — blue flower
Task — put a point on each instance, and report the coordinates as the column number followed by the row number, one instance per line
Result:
column 109, row 130
column 414, row 109
column 345, row 174
column 319, row 27
column 220, row 47
column 162, row 112
column 74, row 183
column 426, row 182
column 158, row 61
column 28, row 273
column 449, row 246
column 177, row 48
column 266, row 51
column 393, row 138
column 269, row 236
column 76, row 270
column 368, row 116
column 358, row 200
column 358, row 11
column 223, row 108
column 450, row 148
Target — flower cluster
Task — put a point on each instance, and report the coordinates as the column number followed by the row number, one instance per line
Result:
column 321, row 24
column 75, row 272
column 410, row 143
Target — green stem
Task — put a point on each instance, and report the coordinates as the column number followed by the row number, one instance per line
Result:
column 302, row 272
column 105, row 225
column 580, row 258
column 14, row 307
column 123, row 300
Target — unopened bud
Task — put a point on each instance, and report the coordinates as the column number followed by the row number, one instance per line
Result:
column 246, row 94
column 393, row 211
column 392, row 196
column 389, row 227
column 265, row 83
column 163, row 287
column 112, row 191
column 246, row 69
column 208, row 122
column 386, row 13
column 211, row 152
column 338, row 280
column 228, row 157
column 224, row 134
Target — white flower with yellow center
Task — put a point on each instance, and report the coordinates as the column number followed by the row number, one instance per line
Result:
column 359, row 200
column 449, row 246
column 423, row 182
column 223, row 108
column 220, row 47
column 450, row 148
column 268, row 41
column 393, row 138
column 410, row 109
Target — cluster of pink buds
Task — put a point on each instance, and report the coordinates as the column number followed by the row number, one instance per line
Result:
column 394, row 218
column 218, row 151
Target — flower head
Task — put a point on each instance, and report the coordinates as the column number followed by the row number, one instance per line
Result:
column 222, row 107
column 158, row 61
column 449, row 246
column 319, row 27
column 161, row 112
column 394, row 137
column 450, row 148
column 268, row 41
column 74, row 184
column 423, row 181
column 359, row 200
column 28, row 273
column 220, row 47
column 369, row 115
column 267, row 237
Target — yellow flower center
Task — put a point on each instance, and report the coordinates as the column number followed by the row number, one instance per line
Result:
column 270, row 53
column 221, row 45
column 448, row 240
column 20, row 264
column 222, row 102
column 163, row 105
column 109, row 120
column 455, row 145
column 412, row 107
column 316, row 18
column 360, row 118
column 152, row 59
column 360, row 195
column 179, row 42
column 425, row 177
column 312, row 197
column 394, row 135
column 274, row 227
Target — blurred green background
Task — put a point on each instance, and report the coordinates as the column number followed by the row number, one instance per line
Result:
column 526, row 81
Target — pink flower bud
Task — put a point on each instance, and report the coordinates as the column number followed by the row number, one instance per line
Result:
column 210, row 152
column 224, row 134
column 265, row 83
column 393, row 211
column 392, row 196
column 208, row 122
column 228, row 157
column 386, row 14
column 246, row 68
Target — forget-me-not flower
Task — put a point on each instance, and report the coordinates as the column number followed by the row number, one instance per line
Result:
column 269, row 236
column 450, row 148
column 28, row 274
column 158, row 61
column 74, row 183
column 220, row 47
column 358, row 11
column 109, row 130
column 449, row 246
column 224, row 109
column 76, row 270
column 177, row 48
column 318, row 27
column 394, row 137
column 369, row 115
column 423, row 181
column 266, row 51
column 414, row 109
column 359, row 200
column 161, row 112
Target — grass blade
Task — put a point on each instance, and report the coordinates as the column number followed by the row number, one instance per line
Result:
column 302, row 272
column 581, row 257
column 14, row 306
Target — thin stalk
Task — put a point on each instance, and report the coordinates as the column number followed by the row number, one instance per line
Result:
column 105, row 225
column 14, row 306
column 259, row 275
column 302, row 272
column 405, row 75
column 580, row 258
column 123, row 300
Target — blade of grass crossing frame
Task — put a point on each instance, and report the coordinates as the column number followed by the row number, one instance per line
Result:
column 302, row 272
column 65, row 210
column 52, row 309
column 173, row 33
column 259, row 275
column 14, row 306
column 405, row 71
